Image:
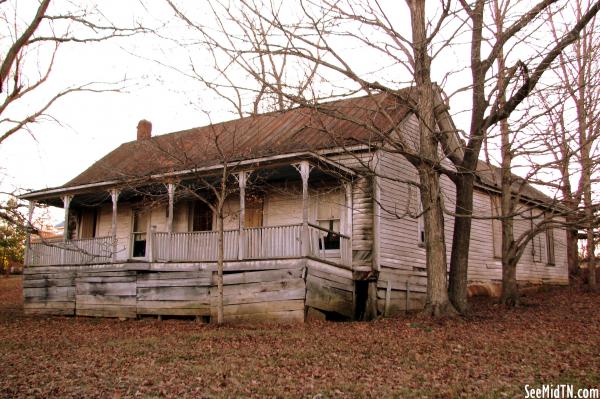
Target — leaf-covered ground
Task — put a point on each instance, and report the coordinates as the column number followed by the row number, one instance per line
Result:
column 554, row 339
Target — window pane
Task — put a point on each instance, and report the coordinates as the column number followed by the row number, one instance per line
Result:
column 202, row 217
column 140, row 222
column 496, row 227
column 550, row 246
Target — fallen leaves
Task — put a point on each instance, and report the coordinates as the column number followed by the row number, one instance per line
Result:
column 492, row 353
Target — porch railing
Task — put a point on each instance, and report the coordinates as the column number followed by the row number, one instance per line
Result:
column 199, row 246
column 73, row 252
column 273, row 242
column 266, row 242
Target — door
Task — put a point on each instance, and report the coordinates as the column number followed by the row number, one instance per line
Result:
column 139, row 234
column 253, row 217
column 254, row 212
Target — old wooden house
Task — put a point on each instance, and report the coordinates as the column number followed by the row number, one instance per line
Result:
column 320, row 220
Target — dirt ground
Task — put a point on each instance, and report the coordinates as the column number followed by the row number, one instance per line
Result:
column 553, row 339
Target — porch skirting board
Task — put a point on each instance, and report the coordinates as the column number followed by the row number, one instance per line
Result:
column 265, row 290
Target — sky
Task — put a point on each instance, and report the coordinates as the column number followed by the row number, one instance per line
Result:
column 87, row 126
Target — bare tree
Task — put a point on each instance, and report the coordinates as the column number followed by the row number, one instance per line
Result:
column 313, row 38
column 28, row 52
column 212, row 189
column 28, row 55
column 571, row 129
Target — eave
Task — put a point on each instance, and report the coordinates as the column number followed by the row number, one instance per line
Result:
column 318, row 158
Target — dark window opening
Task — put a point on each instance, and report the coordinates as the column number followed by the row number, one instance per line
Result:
column 550, row 247
column 201, row 217
column 139, row 246
column 332, row 239
column 140, row 228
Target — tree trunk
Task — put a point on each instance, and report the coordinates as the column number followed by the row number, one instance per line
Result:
column 510, row 290
column 437, row 304
column 459, row 259
column 572, row 250
column 220, row 260
column 591, row 260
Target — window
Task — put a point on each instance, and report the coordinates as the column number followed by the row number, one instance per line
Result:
column 201, row 217
column 88, row 220
column 331, row 240
column 550, row 259
column 328, row 218
column 496, row 226
column 253, row 212
column 536, row 241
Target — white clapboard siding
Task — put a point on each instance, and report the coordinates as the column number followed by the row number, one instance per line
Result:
column 399, row 250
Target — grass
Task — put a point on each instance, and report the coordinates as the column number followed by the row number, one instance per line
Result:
column 492, row 353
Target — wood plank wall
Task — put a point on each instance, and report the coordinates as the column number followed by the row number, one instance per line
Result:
column 253, row 290
column 402, row 277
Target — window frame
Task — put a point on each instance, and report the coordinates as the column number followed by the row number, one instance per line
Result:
column 550, row 247
column 496, row 211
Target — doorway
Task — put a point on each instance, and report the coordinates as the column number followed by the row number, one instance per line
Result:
column 139, row 234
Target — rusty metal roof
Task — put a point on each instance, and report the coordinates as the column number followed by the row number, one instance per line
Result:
column 330, row 125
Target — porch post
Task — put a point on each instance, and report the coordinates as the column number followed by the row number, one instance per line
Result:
column 171, row 191
column 347, row 251
column 67, row 203
column 304, row 173
column 28, row 236
column 242, row 176
column 150, row 245
column 114, row 195
column 63, row 251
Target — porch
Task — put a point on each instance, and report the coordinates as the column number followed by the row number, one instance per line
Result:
column 288, row 249
column 256, row 243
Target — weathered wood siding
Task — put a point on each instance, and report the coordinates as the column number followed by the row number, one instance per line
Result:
column 263, row 295
column 253, row 290
column 402, row 259
column 362, row 223
column 105, row 293
column 281, row 207
column 49, row 291
column 330, row 289
column 180, row 293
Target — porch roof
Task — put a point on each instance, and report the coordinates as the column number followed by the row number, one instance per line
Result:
column 99, row 192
